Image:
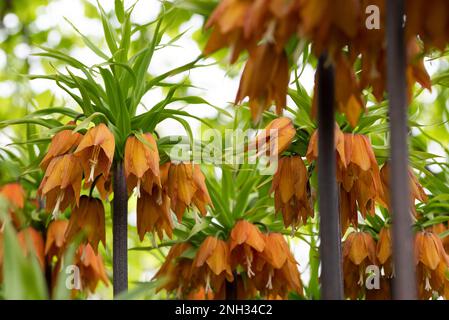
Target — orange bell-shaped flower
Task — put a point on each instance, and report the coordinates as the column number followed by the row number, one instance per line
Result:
column 32, row 242
column 61, row 185
column 245, row 243
column 432, row 264
column 186, row 187
column 55, row 240
column 63, row 142
column 91, row 268
column 416, row 190
column 275, row 138
column 265, row 81
column 359, row 251
column 291, row 191
column 153, row 213
column 88, row 217
column 14, row 193
column 142, row 163
column 211, row 266
column 384, row 251
column 176, row 271
column 277, row 273
column 96, row 152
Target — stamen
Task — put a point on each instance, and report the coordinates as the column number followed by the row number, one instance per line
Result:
column 159, row 199
column 269, row 283
column 360, row 282
column 248, row 266
column 55, row 213
column 93, row 162
column 269, row 34
column 428, row 287
column 153, row 240
column 208, row 287
column 138, row 188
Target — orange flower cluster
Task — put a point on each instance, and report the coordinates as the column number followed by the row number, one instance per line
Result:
column 69, row 156
column 161, row 187
column 428, row 20
column 72, row 157
column 263, row 28
column 360, row 250
column 292, row 191
column 52, row 245
column 357, row 174
column 90, row 264
column 250, row 262
column 432, row 263
column 291, row 180
column 333, row 25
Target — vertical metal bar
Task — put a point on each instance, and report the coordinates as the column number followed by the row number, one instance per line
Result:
column 120, row 231
column 404, row 283
column 330, row 241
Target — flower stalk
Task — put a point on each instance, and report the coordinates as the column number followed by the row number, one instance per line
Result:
column 120, row 230
column 330, row 247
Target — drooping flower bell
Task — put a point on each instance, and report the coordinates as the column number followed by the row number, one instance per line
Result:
column 32, row 242
column 246, row 243
column 186, row 187
column 15, row 195
column 176, row 271
column 438, row 229
column 142, row 163
column 90, row 264
column 96, row 152
column 277, row 273
column 383, row 251
column 291, row 191
column 416, row 190
column 211, row 266
column 61, row 185
column 55, row 240
column 432, row 265
column 91, row 268
column 360, row 180
column 275, row 138
column 153, row 213
column 104, row 186
column 362, row 172
column 429, row 20
column 359, row 251
column 88, row 217
column 357, row 174
column 63, row 142
column 264, row 81
column 243, row 24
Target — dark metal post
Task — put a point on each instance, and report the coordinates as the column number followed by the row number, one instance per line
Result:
column 120, row 231
column 404, row 283
column 330, row 242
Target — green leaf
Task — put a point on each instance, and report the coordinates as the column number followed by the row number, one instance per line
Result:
column 89, row 43
column 120, row 10
column 109, row 32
